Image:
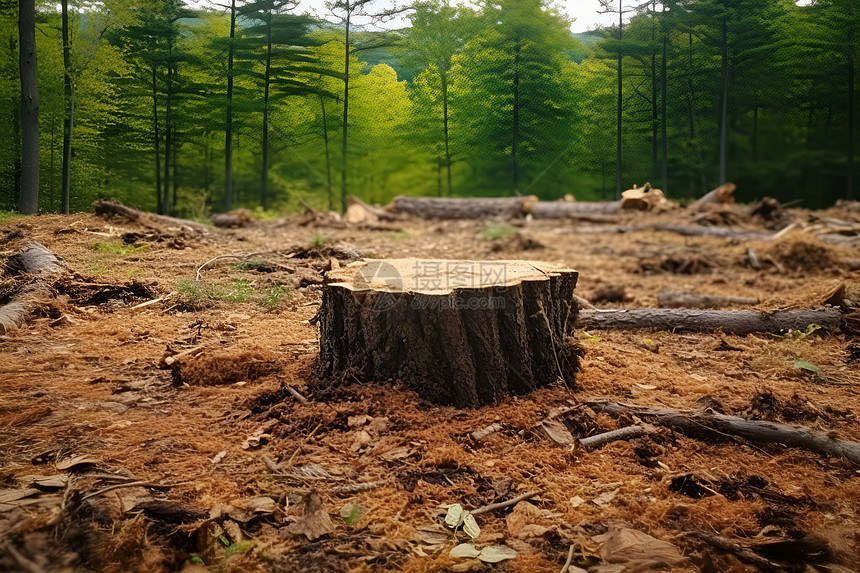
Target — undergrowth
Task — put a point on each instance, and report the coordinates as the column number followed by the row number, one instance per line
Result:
column 238, row 290
column 6, row 216
column 495, row 231
column 119, row 249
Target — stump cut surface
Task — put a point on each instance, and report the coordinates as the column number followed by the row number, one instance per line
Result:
column 458, row 332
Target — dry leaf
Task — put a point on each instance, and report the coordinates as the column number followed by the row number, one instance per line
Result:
column 315, row 522
column 464, row 551
column 526, row 520
column 72, row 462
column 605, row 498
column 496, row 553
column 635, row 548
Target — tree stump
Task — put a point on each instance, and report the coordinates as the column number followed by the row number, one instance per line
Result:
column 461, row 333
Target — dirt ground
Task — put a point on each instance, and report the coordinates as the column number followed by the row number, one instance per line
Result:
column 116, row 456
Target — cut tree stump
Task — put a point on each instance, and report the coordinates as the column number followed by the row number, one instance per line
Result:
column 20, row 300
column 460, row 333
column 110, row 209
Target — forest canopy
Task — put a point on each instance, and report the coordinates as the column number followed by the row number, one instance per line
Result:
column 188, row 109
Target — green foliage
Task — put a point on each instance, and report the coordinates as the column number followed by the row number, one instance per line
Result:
column 240, row 547
column 119, row 249
column 810, row 369
column 804, row 334
column 495, row 231
column 528, row 107
column 352, row 512
column 6, row 216
column 318, row 240
column 236, row 291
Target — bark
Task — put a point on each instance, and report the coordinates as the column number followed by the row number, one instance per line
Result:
column 228, row 132
column 724, row 97
column 463, row 208
column 725, row 193
column 35, row 260
column 574, row 209
column 618, row 188
column 849, row 178
column 718, row 426
column 739, row 322
column 343, row 204
column 678, row 299
column 157, row 138
column 663, row 137
column 28, row 202
column 327, row 157
column 68, row 110
column 701, row 231
column 110, row 209
column 461, row 335
column 168, row 129
column 264, row 175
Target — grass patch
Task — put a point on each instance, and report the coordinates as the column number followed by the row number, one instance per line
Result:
column 495, row 231
column 6, row 216
column 317, row 240
column 97, row 269
column 238, row 290
column 119, row 249
column 247, row 265
column 396, row 235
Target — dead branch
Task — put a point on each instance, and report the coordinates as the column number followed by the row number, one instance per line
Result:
column 446, row 208
column 504, row 504
column 110, row 209
column 714, row 425
column 484, row 433
column 736, row 549
column 569, row 560
column 680, row 299
column 725, row 193
column 739, row 322
column 600, row 440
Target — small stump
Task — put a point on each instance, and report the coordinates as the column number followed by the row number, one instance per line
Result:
column 457, row 332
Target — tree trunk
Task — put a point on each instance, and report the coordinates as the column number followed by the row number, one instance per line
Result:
column 228, row 132
column 700, row 424
column 444, row 78
column 618, row 188
column 663, row 137
column 724, row 97
column 463, row 208
column 68, row 107
column 51, row 169
column 574, row 209
column 679, row 299
column 739, row 322
column 168, row 128
column 849, row 178
column 654, row 119
column 462, row 333
column 157, row 137
column 343, row 205
column 28, row 202
column 327, row 157
column 264, row 175
column 515, row 181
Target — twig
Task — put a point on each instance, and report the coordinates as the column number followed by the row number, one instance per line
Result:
column 171, row 359
column 569, row 561
column 296, row 394
column 290, row 461
column 504, row 504
column 149, row 302
column 270, row 464
column 128, row 484
column 358, row 487
column 600, row 440
column 484, row 433
column 736, row 549
column 212, row 260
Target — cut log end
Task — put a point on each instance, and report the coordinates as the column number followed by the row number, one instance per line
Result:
column 462, row 333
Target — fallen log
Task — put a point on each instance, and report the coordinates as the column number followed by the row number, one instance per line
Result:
column 22, row 300
column 234, row 218
column 111, row 209
column 575, row 209
column 739, row 322
column 702, row 231
column 462, row 333
column 714, row 425
column 360, row 212
column 725, row 193
column 463, row 207
column 680, row 299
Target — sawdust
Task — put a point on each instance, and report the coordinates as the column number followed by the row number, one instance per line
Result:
column 86, row 379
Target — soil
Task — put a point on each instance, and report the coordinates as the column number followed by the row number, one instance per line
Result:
column 185, row 404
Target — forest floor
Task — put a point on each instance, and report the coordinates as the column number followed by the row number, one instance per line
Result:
column 221, row 468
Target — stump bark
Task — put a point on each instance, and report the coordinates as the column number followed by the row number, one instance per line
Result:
column 460, row 333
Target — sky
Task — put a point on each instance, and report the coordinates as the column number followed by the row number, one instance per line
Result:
column 584, row 12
